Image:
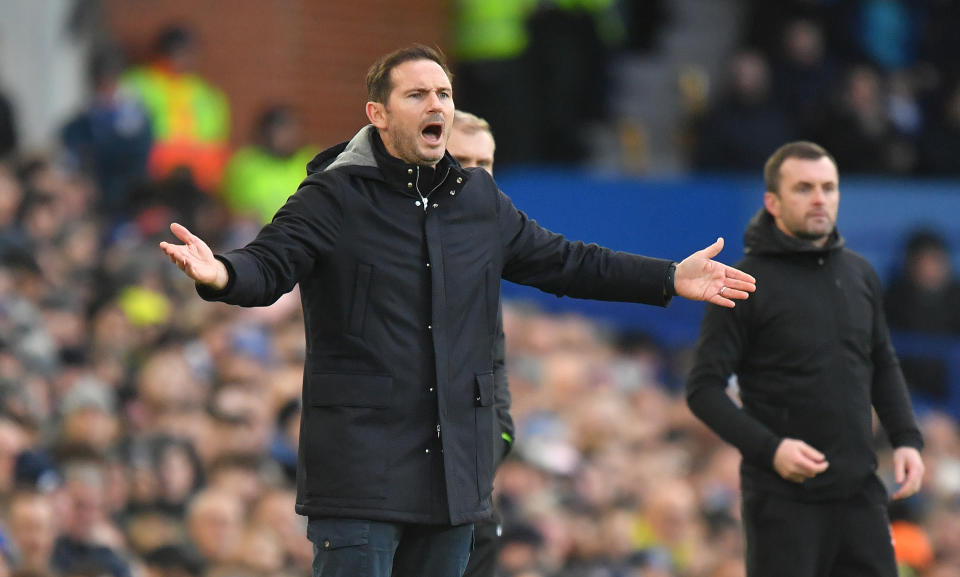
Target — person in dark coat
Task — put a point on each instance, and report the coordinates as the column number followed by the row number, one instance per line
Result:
column 924, row 298
column 472, row 145
column 812, row 356
column 399, row 252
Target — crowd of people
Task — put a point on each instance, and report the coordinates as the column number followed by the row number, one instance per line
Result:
column 869, row 80
column 872, row 80
column 145, row 432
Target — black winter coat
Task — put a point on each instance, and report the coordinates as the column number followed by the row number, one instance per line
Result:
column 812, row 354
column 400, row 303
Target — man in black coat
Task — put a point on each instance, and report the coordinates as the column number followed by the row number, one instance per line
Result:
column 812, row 356
column 472, row 145
column 399, row 252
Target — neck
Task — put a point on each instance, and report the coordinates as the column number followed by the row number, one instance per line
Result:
column 389, row 147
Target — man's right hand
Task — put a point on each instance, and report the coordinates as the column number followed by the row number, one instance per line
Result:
column 195, row 258
column 797, row 461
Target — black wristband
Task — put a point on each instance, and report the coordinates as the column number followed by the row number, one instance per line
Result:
column 669, row 289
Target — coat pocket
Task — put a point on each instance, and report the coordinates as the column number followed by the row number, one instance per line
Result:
column 484, row 414
column 345, row 439
column 491, row 296
column 358, row 305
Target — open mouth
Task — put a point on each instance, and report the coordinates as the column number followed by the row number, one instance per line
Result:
column 433, row 132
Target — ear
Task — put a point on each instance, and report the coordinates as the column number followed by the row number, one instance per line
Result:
column 377, row 114
column 772, row 203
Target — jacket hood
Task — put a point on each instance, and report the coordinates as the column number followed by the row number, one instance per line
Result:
column 763, row 237
column 358, row 151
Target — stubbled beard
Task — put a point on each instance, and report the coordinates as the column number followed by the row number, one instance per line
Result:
column 811, row 236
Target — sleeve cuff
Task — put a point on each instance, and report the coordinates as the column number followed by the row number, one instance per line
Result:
column 211, row 294
column 669, row 285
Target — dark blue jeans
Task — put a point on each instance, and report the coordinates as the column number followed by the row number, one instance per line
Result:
column 358, row 548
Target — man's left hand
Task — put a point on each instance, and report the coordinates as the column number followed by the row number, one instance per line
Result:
column 907, row 471
column 701, row 279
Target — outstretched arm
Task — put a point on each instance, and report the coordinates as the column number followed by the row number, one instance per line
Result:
column 195, row 258
column 700, row 278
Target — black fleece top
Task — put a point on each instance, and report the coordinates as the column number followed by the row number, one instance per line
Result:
column 812, row 354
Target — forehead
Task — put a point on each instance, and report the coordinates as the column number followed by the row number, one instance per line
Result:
column 478, row 142
column 419, row 74
column 808, row 170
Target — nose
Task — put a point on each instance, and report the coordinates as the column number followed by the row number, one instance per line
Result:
column 819, row 196
column 435, row 103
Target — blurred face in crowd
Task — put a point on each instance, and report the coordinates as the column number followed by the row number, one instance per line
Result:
column 472, row 148
column 32, row 525
column 415, row 121
column 12, row 441
column 215, row 524
column 806, row 205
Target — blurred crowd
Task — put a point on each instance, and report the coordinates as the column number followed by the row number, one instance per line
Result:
column 876, row 82
column 144, row 432
column 873, row 81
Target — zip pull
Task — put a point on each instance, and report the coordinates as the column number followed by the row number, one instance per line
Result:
column 438, row 430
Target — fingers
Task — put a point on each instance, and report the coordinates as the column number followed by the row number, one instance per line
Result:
column 181, row 232
column 811, row 453
column 714, row 249
column 738, row 280
column 797, row 461
column 908, row 469
column 810, row 468
column 899, row 470
column 721, row 301
column 910, row 485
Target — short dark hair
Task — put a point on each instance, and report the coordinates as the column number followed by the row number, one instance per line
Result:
column 925, row 240
column 798, row 149
column 379, row 83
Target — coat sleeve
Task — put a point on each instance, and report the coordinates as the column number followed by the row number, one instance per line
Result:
column 720, row 348
column 538, row 257
column 889, row 389
column 302, row 232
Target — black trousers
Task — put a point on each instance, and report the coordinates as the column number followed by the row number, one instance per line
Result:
column 832, row 539
column 486, row 545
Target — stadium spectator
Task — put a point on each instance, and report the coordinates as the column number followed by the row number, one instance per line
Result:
column 924, row 297
column 940, row 142
column 189, row 117
column 33, row 528
column 857, row 128
column 745, row 123
column 472, row 145
column 110, row 139
column 260, row 177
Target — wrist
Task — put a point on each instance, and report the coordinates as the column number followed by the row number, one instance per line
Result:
column 222, row 278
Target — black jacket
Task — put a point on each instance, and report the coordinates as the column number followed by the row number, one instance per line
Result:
column 400, row 306
column 812, row 353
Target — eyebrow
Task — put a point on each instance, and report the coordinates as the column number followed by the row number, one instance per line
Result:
column 800, row 183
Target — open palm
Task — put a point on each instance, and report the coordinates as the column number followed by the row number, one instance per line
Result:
column 195, row 258
column 700, row 278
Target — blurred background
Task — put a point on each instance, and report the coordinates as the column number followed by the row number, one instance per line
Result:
column 145, row 432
